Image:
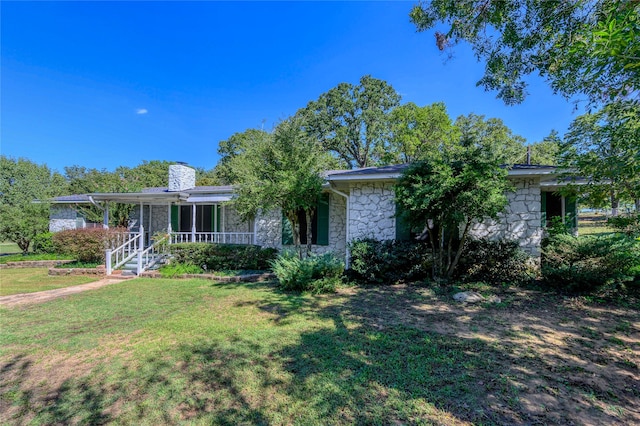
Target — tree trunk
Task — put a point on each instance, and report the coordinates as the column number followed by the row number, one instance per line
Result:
column 453, row 265
column 295, row 230
column 637, row 205
column 308, row 217
column 615, row 202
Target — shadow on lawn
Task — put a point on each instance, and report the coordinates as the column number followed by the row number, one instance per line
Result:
column 385, row 359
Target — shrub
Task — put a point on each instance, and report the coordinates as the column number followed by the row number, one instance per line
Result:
column 494, row 262
column 588, row 263
column 318, row 274
column 175, row 269
column 629, row 225
column 88, row 245
column 216, row 257
column 389, row 261
column 43, row 243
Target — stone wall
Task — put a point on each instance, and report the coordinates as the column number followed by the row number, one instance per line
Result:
column 233, row 222
column 269, row 228
column 521, row 219
column 372, row 212
column 62, row 217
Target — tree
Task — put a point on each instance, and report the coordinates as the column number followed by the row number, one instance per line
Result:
column 445, row 194
column 498, row 139
column 417, row 131
column 281, row 170
column 236, row 145
column 604, row 148
column 546, row 151
column 579, row 47
column 21, row 183
column 353, row 121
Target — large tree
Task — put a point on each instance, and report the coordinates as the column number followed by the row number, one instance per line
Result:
column 236, row 145
column 21, row 183
column 416, row 132
column 547, row 151
column 604, row 148
column 281, row 170
column 498, row 139
column 352, row 121
column 580, row 47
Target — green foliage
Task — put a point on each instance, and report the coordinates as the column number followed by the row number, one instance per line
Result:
column 236, row 145
column 281, row 171
column 589, row 263
column 353, row 121
column 215, row 257
column 446, row 193
column 88, row 245
column 547, row 151
column 495, row 136
column 417, row 132
column 494, row 262
column 604, row 148
column 629, row 225
column 43, row 243
column 580, row 47
column 176, row 269
column 558, row 226
column 21, row 183
column 315, row 273
column 389, row 261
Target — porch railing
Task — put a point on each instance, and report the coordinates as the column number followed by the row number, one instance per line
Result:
column 213, row 237
column 126, row 251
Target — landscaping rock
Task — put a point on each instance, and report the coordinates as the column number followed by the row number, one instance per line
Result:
column 474, row 297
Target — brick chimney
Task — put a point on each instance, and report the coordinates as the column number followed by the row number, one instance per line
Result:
column 181, row 177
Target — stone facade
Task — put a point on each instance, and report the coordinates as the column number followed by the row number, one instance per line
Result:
column 63, row 217
column 521, row 220
column 181, row 177
column 233, row 222
column 269, row 228
column 372, row 211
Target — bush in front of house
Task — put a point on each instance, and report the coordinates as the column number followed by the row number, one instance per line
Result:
column 390, row 260
column 627, row 224
column 88, row 245
column 494, row 262
column 589, row 263
column 43, row 243
column 316, row 273
column 216, row 257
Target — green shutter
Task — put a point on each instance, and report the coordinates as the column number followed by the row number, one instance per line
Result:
column 570, row 211
column 322, row 213
column 175, row 218
column 287, row 232
column 543, row 209
column 219, row 216
column 403, row 229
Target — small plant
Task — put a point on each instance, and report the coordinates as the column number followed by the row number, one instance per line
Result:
column 87, row 245
column 215, row 257
column 318, row 274
column 176, row 269
column 558, row 226
column 629, row 225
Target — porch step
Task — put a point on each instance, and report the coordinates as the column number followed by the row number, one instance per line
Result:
column 132, row 265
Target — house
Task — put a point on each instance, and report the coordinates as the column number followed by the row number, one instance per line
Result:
column 354, row 204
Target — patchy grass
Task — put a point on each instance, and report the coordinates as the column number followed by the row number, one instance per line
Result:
column 593, row 224
column 188, row 351
column 30, row 280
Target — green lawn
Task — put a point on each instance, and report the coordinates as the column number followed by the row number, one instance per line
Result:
column 29, row 280
column 593, row 224
column 8, row 248
column 160, row 351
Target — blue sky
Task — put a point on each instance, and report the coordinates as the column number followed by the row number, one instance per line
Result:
column 106, row 84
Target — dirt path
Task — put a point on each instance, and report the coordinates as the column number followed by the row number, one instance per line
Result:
column 45, row 296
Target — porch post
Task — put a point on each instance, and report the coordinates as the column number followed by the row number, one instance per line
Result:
column 150, row 221
column 105, row 217
column 141, row 227
column 215, row 223
column 224, row 237
column 193, row 223
column 169, row 219
column 255, row 230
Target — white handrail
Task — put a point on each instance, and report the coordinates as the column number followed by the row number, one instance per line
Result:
column 246, row 238
column 123, row 253
column 151, row 255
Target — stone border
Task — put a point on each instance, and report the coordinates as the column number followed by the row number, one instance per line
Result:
column 34, row 264
column 234, row 279
column 78, row 271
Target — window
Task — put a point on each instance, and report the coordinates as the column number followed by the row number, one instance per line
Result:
column 319, row 225
column 182, row 217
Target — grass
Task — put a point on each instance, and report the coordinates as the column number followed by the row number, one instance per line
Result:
column 32, row 256
column 161, row 351
column 593, row 224
column 29, row 280
column 9, row 248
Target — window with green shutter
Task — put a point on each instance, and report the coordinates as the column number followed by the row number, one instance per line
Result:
column 175, row 217
column 319, row 225
column 403, row 229
column 570, row 211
